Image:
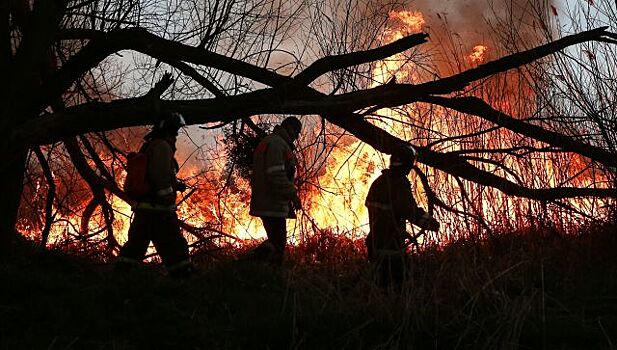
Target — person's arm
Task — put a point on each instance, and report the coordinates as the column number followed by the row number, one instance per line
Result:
column 406, row 207
column 425, row 221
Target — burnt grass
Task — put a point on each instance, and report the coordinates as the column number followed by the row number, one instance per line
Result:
column 537, row 289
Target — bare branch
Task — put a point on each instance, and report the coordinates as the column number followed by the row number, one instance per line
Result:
column 95, row 184
column 140, row 40
column 331, row 63
column 459, row 81
column 476, row 106
column 456, row 166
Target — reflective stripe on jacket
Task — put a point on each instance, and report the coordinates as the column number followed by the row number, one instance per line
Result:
column 272, row 180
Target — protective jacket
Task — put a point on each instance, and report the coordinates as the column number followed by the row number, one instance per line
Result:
column 390, row 204
column 272, row 179
column 161, row 173
column 155, row 218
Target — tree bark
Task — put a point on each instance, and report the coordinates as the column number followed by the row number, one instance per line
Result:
column 11, row 187
column 51, row 195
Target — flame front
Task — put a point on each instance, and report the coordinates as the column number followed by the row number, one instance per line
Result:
column 337, row 201
column 333, row 200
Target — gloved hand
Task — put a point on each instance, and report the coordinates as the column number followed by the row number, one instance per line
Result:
column 180, row 186
column 432, row 225
column 425, row 221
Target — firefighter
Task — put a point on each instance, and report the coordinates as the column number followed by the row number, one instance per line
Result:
column 155, row 216
column 390, row 205
column 274, row 197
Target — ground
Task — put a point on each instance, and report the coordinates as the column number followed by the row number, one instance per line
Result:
column 529, row 290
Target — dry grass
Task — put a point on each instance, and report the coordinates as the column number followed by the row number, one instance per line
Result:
column 524, row 290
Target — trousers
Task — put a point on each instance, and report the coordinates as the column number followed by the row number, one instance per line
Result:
column 163, row 229
column 272, row 249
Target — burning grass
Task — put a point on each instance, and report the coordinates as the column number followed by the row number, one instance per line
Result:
column 529, row 289
column 335, row 169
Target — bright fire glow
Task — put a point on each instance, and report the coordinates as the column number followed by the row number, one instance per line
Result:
column 478, row 54
column 334, row 199
column 410, row 22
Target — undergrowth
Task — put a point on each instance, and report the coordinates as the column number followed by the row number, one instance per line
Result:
column 523, row 290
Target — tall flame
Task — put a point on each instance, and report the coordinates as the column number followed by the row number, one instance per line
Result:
column 338, row 202
column 334, row 199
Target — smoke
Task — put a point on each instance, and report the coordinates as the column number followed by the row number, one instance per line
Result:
column 464, row 16
column 474, row 16
column 484, row 21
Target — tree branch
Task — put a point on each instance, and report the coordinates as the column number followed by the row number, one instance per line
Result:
column 476, row 106
column 133, row 112
column 331, row 63
column 287, row 97
column 140, row 40
column 456, row 166
column 391, row 95
column 207, row 84
column 290, row 92
column 97, row 188
column 459, row 81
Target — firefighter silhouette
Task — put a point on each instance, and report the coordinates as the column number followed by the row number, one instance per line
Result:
column 390, row 205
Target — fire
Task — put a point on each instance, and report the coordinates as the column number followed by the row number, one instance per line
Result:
column 333, row 200
column 216, row 201
column 407, row 22
column 337, row 199
column 337, row 202
column 410, row 22
column 478, row 54
column 221, row 203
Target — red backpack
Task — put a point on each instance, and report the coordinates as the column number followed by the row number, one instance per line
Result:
column 136, row 183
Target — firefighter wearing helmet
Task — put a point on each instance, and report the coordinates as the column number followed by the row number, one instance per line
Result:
column 273, row 193
column 155, row 216
column 390, row 205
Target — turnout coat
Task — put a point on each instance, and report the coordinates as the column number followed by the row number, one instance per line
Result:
column 390, row 204
column 272, row 179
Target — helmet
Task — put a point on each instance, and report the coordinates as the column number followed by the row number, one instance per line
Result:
column 293, row 127
column 171, row 121
column 292, row 122
column 404, row 157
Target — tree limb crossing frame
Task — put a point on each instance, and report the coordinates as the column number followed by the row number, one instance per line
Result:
column 293, row 95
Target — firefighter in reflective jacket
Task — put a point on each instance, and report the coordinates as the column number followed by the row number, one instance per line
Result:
column 273, row 193
column 390, row 204
column 155, row 216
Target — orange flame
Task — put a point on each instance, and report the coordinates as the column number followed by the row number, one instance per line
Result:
column 336, row 200
column 478, row 55
column 411, row 22
column 407, row 22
